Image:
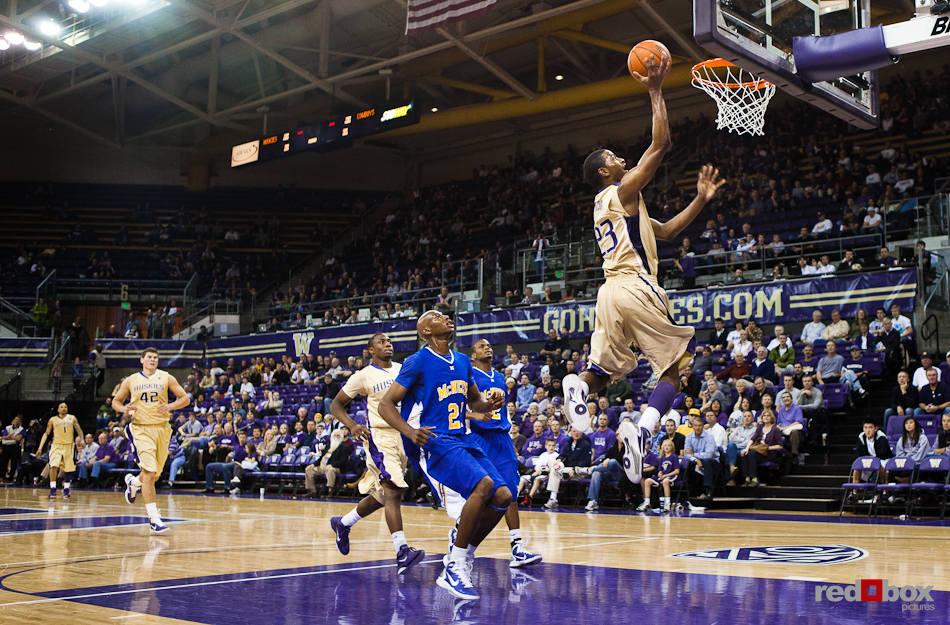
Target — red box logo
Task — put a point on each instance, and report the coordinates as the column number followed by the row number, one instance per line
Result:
column 872, row 589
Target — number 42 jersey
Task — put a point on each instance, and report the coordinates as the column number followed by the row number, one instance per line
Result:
column 145, row 394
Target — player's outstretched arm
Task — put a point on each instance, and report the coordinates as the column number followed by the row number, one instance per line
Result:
column 78, row 429
column 338, row 410
column 706, row 186
column 390, row 414
column 634, row 180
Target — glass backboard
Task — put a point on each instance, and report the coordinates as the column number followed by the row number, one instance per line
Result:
column 757, row 36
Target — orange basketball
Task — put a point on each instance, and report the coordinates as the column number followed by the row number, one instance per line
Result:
column 642, row 52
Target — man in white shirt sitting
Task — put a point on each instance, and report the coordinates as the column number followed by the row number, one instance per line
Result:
column 872, row 221
column 920, row 375
column 775, row 342
column 823, row 227
column 825, row 266
column 813, row 331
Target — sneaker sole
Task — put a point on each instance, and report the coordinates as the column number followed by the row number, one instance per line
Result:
column 155, row 532
column 415, row 558
column 517, row 564
column 444, row 583
column 578, row 422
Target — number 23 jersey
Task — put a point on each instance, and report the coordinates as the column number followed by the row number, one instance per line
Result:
column 146, row 393
column 440, row 384
column 626, row 242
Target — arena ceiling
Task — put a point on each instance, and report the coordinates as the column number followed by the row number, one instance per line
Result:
column 204, row 74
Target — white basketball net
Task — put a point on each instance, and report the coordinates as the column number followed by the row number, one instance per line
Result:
column 741, row 97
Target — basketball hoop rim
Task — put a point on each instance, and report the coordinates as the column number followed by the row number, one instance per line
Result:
column 710, row 64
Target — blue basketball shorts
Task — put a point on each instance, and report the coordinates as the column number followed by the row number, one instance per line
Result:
column 460, row 463
column 500, row 450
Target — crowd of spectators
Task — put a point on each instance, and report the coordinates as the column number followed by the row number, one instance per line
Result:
column 750, row 402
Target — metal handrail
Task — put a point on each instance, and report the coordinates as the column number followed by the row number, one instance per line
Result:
column 50, row 277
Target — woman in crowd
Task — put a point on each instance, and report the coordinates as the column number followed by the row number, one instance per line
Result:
column 739, row 437
column 766, row 444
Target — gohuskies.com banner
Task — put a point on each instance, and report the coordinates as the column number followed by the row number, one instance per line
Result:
column 767, row 302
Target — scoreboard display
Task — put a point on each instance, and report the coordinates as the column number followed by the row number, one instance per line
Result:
column 332, row 134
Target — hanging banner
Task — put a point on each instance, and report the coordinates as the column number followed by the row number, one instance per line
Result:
column 785, row 301
column 350, row 340
column 171, row 354
column 23, row 352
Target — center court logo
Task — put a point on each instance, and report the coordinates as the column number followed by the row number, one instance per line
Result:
column 913, row 598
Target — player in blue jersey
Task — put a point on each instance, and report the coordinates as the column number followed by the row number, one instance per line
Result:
column 443, row 382
column 492, row 430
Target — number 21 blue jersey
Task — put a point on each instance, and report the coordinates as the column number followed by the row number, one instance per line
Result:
column 440, row 383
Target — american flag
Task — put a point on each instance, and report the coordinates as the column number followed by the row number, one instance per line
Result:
column 426, row 14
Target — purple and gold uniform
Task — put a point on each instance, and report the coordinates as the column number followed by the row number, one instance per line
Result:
column 632, row 308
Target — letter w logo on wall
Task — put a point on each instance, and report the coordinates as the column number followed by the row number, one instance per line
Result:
column 302, row 342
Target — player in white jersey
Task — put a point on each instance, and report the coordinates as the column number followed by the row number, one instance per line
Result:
column 632, row 308
column 149, row 432
column 385, row 479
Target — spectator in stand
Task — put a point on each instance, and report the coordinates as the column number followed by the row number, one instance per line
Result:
column 943, row 437
column 762, row 366
column 885, row 260
column 812, row 404
column 945, row 367
column 864, row 339
column 926, row 364
column 702, row 451
column 892, row 347
column 689, row 383
column 790, row 418
column 670, row 426
column 902, row 324
column 743, row 346
column 760, row 390
column 782, row 354
column 703, row 360
column 555, row 345
column 711, row 394
column 718, row 338
column 733, row 337
column 618, row 391
column 542, row 465
column 534, row 446
column 667, row 472
column 330, row 464
column 838, row 329
column 905, row 398
column 935, row 396
column 106, row 458
column 739, row 370
column 574, row 457
column 10, row 446
column 300, row 375
column 913, row 442
column 823, row 227
column 829, row 368
column 766, row 444
column 871, row 442
column 738, row 439
column 629, row 412
column 602, row 439
column 712, row 426
column 876, row 326
column 754, row 331
column 813, row 331
column 525, row 393
column 781, row 337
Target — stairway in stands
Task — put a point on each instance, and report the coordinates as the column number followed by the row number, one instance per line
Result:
column 816, row 485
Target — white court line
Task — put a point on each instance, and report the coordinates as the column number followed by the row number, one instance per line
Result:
column 214, row 583
column 98, row 527
column 805, row 579
column 286, row 575
column 115, row 618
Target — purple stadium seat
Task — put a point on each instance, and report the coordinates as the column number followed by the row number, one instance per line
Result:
column 864, row 463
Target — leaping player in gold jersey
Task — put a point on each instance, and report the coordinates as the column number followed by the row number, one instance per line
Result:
column 64, row 428
column 149, row 432
column 632, row 308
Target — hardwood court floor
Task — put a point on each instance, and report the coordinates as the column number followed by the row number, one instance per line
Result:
column 259, row 561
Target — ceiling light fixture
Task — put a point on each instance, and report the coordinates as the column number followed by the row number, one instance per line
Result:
column 559, row 77
column 4, row 44
column 80, row 6
column 49, row 28
column 14, row 37
column 32, row 46
column 435, row 109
